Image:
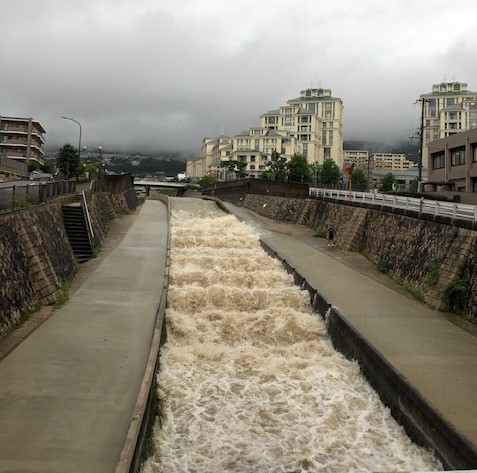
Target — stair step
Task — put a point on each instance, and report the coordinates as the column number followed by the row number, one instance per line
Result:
column 77, row 231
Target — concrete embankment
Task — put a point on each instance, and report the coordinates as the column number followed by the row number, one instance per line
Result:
column 436, row 259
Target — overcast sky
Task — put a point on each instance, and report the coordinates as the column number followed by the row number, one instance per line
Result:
column 156, row 75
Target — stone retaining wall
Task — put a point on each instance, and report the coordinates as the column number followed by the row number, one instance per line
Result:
column 435, row 261
column 37, row 259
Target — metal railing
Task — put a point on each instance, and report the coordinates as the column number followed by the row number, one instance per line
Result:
column 25, row 195
column 445, row 209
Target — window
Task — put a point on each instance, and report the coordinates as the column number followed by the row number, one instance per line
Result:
column 328, row 110
column 431, row 108
column 438, row 160
column 457, row 156
column 327, row 153
column 456, row 87
column 474, row 153
column 473, row 115
column 252, row 159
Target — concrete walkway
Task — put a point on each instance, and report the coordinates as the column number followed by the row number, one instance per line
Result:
column 68, row 392
column 436, row 357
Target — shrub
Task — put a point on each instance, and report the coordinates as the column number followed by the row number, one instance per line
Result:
column 455, row 294
column 432, row 273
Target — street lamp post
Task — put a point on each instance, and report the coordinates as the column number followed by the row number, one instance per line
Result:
column 101, row 169
column 79, row 144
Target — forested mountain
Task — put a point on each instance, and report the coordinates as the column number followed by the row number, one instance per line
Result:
column 145, row 166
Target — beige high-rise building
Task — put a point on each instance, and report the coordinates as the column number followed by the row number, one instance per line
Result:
column 449, row 109
column 310, row 124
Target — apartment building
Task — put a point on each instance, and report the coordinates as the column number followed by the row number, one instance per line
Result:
column 314, row 120
column 213, row 152
column 453, row 163
column 21, row 139
column 360, row 158
column 390, row 162
column 310, row 124
column 449, row 109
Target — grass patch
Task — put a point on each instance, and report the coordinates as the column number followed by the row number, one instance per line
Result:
column 383, row 266
column 432, row 275
column 22, row 202
column 321, row 233
column 62, row 297
column 27, row 313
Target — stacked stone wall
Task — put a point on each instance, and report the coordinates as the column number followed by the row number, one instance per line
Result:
column 427, row 257
column 124, row 202
column 37, row 259
column 278, row 208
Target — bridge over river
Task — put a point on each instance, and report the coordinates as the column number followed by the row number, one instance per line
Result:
column 249, row 379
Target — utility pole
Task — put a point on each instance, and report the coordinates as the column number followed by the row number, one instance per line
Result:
column 421, row 147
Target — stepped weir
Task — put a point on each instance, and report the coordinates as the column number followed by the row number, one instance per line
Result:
column 249, row 380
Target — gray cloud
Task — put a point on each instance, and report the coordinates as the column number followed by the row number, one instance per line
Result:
column 149, row 75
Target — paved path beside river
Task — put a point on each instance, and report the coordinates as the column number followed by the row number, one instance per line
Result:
column 68, row 392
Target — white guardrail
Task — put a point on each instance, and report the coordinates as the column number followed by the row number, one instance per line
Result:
column 445, row 209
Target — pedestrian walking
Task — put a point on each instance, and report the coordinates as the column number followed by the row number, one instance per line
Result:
column 331, row 236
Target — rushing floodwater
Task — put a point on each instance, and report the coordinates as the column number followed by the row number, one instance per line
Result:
column 249, row 381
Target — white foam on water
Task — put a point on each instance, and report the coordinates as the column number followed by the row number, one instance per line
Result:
column 248, row 380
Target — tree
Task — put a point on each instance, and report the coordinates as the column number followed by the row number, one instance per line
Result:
column 315, row 171
column 49, row 166
column 330, row 172
column 206, row 181
column 387, row 182
column 277, row 167
column 414, row 185
column 68, row 161
column 299, row 171
column 359, row 180
column 237, row 167
column 88, row 172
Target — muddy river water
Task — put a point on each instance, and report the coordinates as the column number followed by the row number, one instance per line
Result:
column 248, row 380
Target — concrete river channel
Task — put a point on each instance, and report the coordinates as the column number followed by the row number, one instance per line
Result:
column 249, row 380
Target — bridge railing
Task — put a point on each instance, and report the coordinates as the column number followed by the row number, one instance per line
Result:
column 445, row 209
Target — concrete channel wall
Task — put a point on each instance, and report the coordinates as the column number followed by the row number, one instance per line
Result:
column 434, row 258
column 423, row 424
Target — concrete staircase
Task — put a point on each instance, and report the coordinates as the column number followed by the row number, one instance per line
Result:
column 76, row 228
